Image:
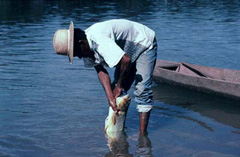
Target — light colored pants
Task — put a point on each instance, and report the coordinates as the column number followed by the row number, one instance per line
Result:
column 141, row 71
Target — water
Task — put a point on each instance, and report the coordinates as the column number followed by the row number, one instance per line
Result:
column 51, row 108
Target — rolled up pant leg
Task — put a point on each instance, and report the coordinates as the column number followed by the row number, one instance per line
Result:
column 143, row 80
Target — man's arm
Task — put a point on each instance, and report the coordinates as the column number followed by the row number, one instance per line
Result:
column 124, row 68
column 106, row 83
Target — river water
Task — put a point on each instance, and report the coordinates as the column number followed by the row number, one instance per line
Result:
column 51, row 108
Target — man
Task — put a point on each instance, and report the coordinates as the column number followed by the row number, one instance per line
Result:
column 128, row 46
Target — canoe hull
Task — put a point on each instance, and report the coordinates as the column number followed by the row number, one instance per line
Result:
column 222, row 87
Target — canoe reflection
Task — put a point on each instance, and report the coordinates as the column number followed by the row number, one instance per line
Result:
column 224, row 110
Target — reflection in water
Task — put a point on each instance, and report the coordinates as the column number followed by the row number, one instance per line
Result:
column 179, row 115
column 144, row 146
column 118, row 145
column 198, row 122
column 224, row 110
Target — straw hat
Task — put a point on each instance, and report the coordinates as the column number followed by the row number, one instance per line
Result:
column 63, row 41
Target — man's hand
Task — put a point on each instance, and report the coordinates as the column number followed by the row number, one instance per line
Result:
column 117, row 91
column 113, row 104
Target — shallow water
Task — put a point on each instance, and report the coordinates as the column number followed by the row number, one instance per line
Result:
column 51, row 108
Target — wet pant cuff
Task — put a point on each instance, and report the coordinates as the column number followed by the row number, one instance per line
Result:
column 144, row 108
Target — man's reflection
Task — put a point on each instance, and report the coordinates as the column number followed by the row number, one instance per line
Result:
column 119, row 146
column 144, row 146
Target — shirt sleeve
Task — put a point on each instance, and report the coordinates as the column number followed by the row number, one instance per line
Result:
column 109, row 50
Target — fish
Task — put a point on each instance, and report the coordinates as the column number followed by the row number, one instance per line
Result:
column 114, row 124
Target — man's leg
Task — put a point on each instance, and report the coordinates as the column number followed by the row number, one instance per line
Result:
column 143, row 93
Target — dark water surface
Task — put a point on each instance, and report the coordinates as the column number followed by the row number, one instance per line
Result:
column 51, row 108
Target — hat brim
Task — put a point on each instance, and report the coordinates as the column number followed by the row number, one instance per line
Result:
column 71, row 40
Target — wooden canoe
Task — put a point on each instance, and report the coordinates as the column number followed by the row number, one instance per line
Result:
column 221, row 81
